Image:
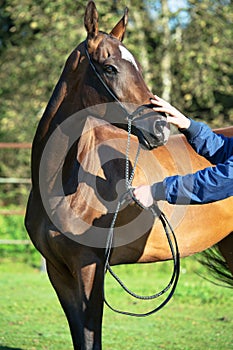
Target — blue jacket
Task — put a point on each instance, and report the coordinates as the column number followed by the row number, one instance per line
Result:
column 208, row 185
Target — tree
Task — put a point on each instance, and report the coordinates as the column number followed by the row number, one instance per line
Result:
column 202, row 62
column 185, row 53
column 166, row 59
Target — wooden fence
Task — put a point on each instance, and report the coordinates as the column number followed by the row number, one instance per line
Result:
column 13, row 180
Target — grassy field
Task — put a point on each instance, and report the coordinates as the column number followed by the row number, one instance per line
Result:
column 200, row 315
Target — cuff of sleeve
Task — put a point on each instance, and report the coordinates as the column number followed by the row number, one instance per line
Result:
column 158, row 191
column 192, row 130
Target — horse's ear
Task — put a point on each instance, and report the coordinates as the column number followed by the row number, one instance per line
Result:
column 119, row 29
column 91, row 20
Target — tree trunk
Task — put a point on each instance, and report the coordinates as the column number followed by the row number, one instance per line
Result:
column 166, row 59
column 141, row 39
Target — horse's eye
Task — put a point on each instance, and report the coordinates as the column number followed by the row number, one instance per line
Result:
column 110, row 69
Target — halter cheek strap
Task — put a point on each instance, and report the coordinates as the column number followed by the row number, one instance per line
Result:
column 102, row 81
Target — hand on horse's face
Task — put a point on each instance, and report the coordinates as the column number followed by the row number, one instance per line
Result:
column 174, row 117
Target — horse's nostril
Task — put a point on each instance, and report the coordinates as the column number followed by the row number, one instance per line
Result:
column 161, row 123
column 159, row 126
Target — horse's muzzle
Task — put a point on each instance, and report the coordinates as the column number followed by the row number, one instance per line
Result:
column 151, row 128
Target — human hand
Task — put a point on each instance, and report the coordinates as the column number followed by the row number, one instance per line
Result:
column 174, row 117
column 143, row 195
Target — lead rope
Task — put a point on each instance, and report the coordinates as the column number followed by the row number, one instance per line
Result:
column 167, row 227
column 128, row 182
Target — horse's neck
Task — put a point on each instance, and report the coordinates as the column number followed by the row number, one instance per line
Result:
column 54, row 137
column 67, row 146
column 60, row 126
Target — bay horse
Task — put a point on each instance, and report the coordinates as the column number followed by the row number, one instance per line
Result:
column 79, row 172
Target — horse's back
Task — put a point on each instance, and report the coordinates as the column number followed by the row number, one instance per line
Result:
column 227, row 131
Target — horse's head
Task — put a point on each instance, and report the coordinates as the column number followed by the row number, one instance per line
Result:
column 103, row 78
column 114, row 75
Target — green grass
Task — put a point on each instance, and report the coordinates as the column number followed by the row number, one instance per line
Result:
column 200, row 315
column 12, row 228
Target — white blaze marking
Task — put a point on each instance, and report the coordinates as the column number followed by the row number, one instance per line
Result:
column 126, row 55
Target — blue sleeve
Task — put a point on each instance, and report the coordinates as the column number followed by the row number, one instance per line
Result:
column 214, row 147
column 208, row 185
column 205, row 186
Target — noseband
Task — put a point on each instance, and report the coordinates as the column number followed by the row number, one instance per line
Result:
column 128, row 196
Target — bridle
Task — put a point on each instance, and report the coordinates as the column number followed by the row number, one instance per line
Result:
column 156, row 212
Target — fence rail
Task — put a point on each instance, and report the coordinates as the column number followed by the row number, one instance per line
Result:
column 15, row 241
column 15, row 145
column 12, row 180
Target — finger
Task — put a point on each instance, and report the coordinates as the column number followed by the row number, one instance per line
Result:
column 160, row 100
column 156, row 97
column 172, row 120
column 162, row 103
column 156, row 103
column 160, row 109
column 156, row 100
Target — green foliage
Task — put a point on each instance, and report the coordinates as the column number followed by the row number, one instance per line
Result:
column 203, row 65
column 37, row 37
column 32, row 60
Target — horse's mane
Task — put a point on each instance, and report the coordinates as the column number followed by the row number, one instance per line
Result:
column 61, row 88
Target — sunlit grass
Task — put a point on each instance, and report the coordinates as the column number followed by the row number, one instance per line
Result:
column 200, row 315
